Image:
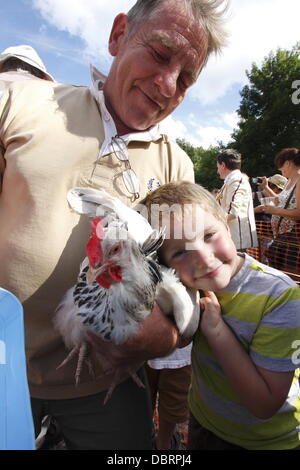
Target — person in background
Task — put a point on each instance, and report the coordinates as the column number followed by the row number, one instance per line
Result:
column 244, row 392
column 235, row 198
column 22, row 63
column 284, row 253
column 274, row 183
column 58, row 136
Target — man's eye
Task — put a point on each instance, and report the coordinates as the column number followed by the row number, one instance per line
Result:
column 160, row 56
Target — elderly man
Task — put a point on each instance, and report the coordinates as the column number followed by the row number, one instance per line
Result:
column 55, row 137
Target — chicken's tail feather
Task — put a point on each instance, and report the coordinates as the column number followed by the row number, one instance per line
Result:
column 153, row 242
column 67, row 322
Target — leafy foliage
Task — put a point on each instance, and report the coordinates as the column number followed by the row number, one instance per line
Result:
column 204, row 164
column 270, row 121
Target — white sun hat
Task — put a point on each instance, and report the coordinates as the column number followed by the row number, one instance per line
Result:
column 26, row 54
column 279, row 180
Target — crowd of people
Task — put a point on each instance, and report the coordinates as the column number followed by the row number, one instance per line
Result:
column 283, row 209
column 235, row 198
column 236, row 379
column 268, row 218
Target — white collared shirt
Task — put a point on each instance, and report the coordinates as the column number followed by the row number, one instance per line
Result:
column 233, row 174
column 97, row 82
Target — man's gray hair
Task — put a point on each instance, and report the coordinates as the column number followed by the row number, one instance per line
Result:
column 209, row 13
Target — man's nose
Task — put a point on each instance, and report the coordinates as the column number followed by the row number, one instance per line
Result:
column 166, row 80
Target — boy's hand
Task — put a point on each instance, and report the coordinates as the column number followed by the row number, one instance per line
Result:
column 211, row 319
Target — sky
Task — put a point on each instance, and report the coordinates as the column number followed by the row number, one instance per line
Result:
column 70, row 34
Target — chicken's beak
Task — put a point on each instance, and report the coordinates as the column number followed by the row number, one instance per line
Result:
column 93, row 273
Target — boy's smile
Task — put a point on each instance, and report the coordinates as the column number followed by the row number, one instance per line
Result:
column 209, row 261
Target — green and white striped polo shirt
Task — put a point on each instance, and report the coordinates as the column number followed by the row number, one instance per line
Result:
column 262, row 306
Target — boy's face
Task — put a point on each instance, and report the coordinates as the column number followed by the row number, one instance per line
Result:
column 206, row 262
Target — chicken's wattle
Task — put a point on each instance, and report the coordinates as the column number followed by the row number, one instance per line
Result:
column 112, row 275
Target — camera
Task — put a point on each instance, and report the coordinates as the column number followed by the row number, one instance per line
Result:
column 256, row 180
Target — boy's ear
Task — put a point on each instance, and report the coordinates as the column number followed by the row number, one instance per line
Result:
column 118, row 32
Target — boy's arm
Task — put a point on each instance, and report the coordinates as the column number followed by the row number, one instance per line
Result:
column 262, row 391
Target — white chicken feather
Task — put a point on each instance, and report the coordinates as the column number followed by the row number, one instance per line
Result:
column 114, row 294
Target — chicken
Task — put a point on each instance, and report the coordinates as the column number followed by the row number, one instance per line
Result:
column 118, row 282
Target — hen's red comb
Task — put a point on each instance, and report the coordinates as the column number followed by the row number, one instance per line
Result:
column 93, row 246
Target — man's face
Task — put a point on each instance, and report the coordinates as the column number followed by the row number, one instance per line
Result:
column 153, row 67
column 221, row 170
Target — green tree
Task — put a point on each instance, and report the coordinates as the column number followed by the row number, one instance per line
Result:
column 270, row 118
column 194, row 153
column 208, row 176
column 204, row 161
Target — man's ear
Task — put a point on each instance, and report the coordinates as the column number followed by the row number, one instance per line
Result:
column 118, row 32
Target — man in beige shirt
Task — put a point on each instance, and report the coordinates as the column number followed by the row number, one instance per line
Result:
column 55, row 137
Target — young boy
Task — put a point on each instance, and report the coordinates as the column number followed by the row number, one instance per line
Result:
column 245, row 390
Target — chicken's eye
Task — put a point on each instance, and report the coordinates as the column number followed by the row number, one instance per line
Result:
column 115, row 250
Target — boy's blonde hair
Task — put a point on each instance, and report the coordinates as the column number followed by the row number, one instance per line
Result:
column 184, row 192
